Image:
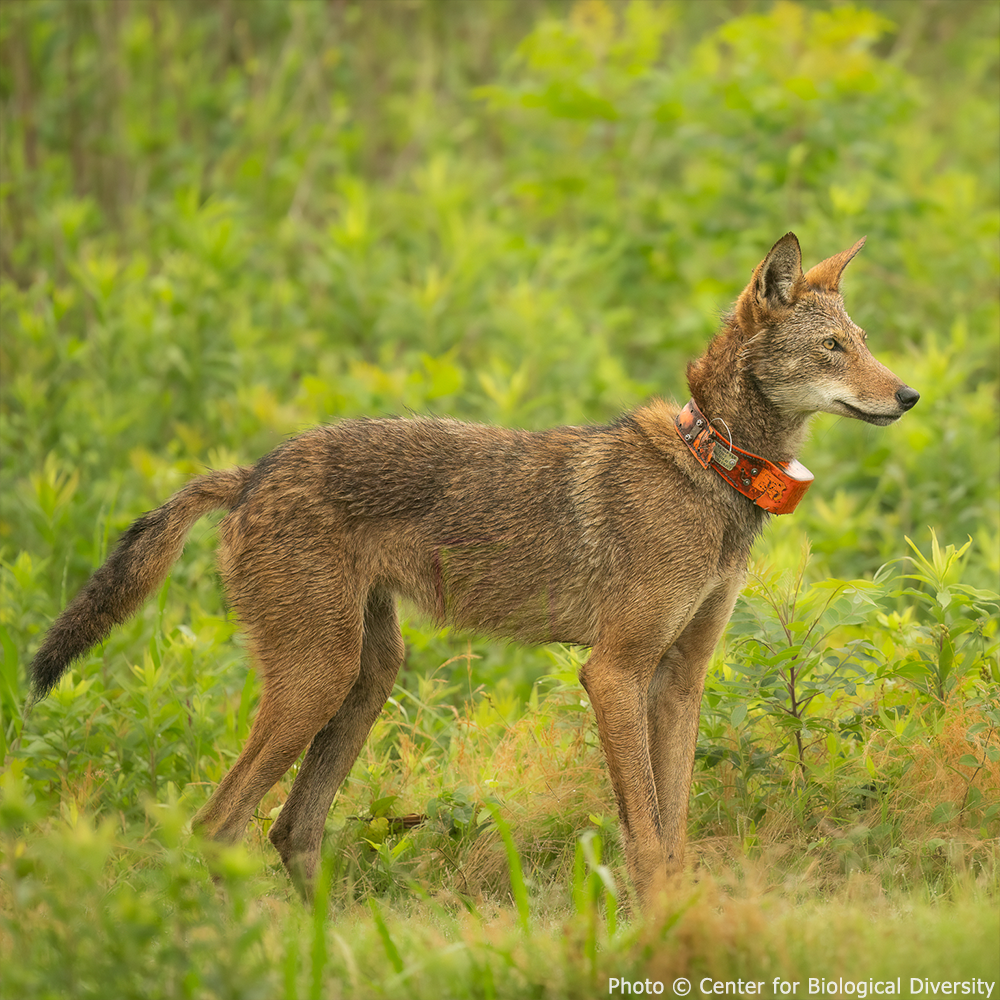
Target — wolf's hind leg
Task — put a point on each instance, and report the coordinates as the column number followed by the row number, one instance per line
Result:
column 298, row 831
column 306, row 679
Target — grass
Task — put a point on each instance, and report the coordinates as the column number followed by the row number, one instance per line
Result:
column 157, row 926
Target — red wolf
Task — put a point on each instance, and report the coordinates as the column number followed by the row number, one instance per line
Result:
column 631, row 538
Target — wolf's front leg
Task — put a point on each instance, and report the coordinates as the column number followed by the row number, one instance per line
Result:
column 617, row 683
column 674, row 708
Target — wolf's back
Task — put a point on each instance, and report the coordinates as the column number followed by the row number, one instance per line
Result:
column 135, row 569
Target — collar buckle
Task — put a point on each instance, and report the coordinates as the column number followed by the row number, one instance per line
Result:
column 776, row 487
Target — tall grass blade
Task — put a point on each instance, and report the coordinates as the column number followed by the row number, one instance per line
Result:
column 319, row 953
column 517, row 886
column 391, row 951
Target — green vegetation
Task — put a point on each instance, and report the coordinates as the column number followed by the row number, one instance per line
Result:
column 221, row 222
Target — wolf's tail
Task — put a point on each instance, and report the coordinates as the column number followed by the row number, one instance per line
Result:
column 136, row 568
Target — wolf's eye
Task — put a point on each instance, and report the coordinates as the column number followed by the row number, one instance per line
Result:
column 830, row 344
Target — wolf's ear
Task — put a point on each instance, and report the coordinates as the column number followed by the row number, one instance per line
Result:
column 775, row 285
column 826, row 274
column 776, row 275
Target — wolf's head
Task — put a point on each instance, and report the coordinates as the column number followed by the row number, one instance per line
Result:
column 790, row 333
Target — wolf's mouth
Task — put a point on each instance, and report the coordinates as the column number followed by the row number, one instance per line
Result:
column 881, row 419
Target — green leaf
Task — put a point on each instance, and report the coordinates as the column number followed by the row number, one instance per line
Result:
column 944, row 812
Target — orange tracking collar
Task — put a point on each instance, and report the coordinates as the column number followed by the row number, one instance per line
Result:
column 776, row 486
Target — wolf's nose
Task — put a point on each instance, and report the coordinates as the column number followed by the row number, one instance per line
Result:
column 907, row 397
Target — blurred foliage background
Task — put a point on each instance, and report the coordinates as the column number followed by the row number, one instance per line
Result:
column 221, row 222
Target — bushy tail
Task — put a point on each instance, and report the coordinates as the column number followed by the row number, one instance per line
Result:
column 134, row 570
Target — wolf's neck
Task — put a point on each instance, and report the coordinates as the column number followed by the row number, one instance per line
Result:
column 731, row 397
column 754, row 423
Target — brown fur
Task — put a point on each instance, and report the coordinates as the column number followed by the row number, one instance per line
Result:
column 610, row 537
